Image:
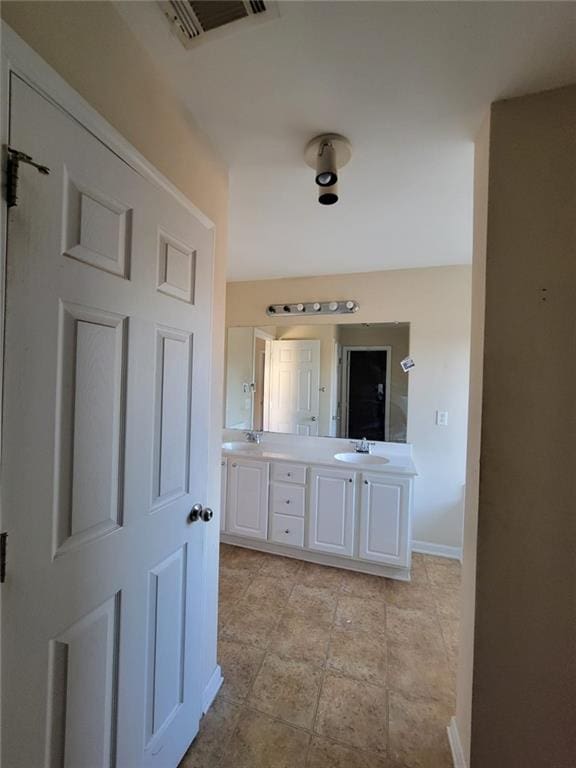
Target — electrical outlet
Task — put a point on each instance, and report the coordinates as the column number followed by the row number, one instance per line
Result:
column 442, row 418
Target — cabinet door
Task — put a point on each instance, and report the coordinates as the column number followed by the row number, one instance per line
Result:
column 223, row 484
column 331, row 517
column 247, row 498
column 385, row 520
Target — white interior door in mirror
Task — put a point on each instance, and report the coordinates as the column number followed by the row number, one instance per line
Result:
column 106, row 416
column 295, row 387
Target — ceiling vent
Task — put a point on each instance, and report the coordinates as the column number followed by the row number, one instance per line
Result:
column 197, row 21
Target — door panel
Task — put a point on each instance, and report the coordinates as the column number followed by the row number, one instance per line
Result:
column 83, row 689
column 384, row 520
column 295, row 387
column 109, row 291
column 247, row 500
column 331, row 516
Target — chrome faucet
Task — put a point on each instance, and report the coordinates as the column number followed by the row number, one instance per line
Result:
column 254, row 437
column 362, row 446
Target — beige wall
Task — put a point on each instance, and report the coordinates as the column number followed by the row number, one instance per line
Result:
column 524, row 687
column 91, row 47
column 468, row 596
column 396, row 337
column 436, row 303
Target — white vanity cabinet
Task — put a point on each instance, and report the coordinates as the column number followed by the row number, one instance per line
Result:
column 340, row 516
column 247, row 498
column 384, row 532
column 331, row 513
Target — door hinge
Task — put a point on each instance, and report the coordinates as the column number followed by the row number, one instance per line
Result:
column 3, row 537
column 15, row 157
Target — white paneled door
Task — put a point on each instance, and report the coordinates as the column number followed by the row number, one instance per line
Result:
column 295, row 386
column 109, row 286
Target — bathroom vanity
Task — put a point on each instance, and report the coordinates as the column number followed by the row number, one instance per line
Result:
column 317, row 500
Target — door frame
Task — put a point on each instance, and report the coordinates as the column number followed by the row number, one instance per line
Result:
column 267, row 338
column 346, row 383
column 18, row 58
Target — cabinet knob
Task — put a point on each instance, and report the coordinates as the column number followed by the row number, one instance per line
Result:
column 234, row 465
column 288, row 474
column 365, row 482
column 287, row 501
column 349, row 479
column 287, row 530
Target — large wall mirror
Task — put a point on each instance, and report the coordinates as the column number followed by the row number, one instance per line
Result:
column 338, row 380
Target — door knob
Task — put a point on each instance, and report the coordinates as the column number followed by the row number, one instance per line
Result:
column 198, row 512
column 195, row 513
column 207, row 514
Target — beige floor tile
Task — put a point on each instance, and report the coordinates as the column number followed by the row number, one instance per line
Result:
column 323, row 576
column 233, row 584
column 447, row 602
column 287, row 689
column 417, row 732
column 240, row 664
column 250, row 624
column 216, row 727
column 451, row 634
column 240, row 558
column 362, row 585
column 312, row 602
column 443, row 572
column 410, row 595
column 302, row 639
column 265, row 590
column 261, row 742
column 361, row 614
column 280, row 567
column 359, row 655
column 418, row 574
column 353, row 713
column 328, row 754
column 420, row 674
column 414, row 628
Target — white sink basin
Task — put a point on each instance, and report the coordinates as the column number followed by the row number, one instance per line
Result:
column 241, row 445
column 362, row 459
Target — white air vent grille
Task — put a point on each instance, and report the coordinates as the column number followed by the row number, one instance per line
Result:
column 199, row 20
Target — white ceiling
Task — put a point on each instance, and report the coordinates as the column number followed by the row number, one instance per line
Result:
column 408, row 83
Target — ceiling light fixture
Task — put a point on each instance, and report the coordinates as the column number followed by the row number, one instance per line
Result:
column 327, row 154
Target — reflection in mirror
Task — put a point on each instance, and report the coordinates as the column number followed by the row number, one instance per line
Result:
column 337, row 380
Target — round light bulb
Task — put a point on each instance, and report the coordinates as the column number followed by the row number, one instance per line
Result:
column 333, row 306
column 316, row 307
column 349, row 305
column 299, row 307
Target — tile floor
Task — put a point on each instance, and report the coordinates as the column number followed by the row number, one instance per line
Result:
column 325, row 668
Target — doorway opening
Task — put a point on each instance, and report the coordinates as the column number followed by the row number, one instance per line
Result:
column 366, row 392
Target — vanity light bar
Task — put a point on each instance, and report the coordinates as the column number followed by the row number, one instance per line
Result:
column 346, row 307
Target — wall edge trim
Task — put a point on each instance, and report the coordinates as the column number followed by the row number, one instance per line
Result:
column 455, row 744
column 439, row 550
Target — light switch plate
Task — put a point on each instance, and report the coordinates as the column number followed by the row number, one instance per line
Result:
column 442, row 418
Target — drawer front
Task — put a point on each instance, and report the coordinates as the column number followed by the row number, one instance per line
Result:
column 289, row 473
column 287, row 499
column 288, row 530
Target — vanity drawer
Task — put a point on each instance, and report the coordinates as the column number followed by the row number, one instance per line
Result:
column 287, row 499
column 289, row 473
column 288, row 530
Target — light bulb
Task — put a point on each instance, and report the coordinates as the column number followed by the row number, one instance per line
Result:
column 333, row 306
column 316, row 307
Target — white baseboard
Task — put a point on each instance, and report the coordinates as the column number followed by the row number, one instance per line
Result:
column 440, row 550
column 212, row 689
column 456, row 745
